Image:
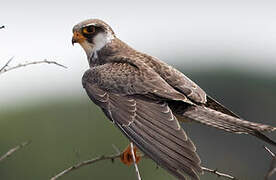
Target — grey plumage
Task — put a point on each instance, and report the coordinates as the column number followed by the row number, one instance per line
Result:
column 143, row 96
column 151, row 125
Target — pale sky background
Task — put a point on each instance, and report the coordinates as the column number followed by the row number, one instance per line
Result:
column 202, row 30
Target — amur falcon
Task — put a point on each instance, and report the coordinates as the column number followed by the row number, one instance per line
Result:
column 147, row 99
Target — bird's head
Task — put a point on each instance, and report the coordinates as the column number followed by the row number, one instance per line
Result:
column 92, row 35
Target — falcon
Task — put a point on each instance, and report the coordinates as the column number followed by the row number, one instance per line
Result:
column 147, row 99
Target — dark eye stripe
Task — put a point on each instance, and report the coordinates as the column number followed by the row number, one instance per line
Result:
column 90, row 31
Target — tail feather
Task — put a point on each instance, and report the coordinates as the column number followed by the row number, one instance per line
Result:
column 228, row 123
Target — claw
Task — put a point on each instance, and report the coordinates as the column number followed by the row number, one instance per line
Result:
column 126, row 156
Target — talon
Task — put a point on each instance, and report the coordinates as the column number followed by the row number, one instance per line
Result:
column 126, row 156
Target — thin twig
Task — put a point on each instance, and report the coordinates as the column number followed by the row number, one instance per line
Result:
column 134, row 162
column 117, row 150
column 111, row 157
column 272, row 168
column 5, row 68
column 6, row 65
column 13, row 150
column 219, row 174
column 269, row 151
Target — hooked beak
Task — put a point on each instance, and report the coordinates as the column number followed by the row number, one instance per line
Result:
column 77, row 38
column 73, row 41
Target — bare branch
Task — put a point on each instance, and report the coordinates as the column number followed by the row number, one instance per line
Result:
column 13, row 150
column 134, row 162
column 6, row 67
column 2, row 27
column 111, row 157
column 117, row 155
column 219, row 174
column 272, row 168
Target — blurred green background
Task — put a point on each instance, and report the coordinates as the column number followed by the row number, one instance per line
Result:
column 227, row 47
column 65, row 131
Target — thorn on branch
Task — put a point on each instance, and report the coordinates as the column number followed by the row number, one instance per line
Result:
column 13, row 150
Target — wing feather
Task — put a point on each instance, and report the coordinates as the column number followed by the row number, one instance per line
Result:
column 178, row 80
column 123, row 78
column 152, row 127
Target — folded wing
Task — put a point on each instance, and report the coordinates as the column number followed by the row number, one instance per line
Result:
column 152, row 127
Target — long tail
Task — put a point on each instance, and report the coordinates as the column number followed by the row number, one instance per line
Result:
column 228, row 123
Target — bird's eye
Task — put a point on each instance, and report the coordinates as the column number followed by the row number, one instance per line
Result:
column 89, row 30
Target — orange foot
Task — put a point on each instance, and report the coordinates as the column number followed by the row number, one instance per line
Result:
column 126, row 157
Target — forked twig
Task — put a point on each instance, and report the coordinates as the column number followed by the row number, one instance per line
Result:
column 13, row 150
column 6, row 67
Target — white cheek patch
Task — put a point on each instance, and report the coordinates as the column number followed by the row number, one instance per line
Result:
column 101, row 39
